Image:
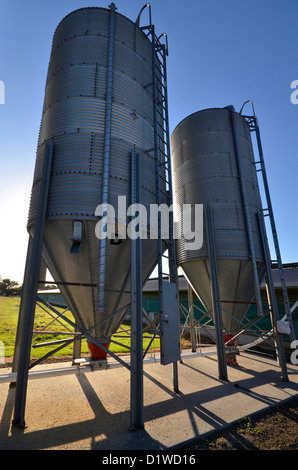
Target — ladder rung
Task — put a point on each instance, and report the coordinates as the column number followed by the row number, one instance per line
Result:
column 165, row 194
column 161, row 104
column 161, row 125
column 161, row 115
column 158, row 48
column 162, row 140
column 164, row 165
column 165, row 154
column 149, row 84
column 164, row 179
column 160, row 82
column 160, row 151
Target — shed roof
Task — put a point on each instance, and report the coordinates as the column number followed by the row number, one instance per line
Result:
column 290, row 272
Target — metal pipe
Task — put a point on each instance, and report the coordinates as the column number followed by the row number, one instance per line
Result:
column 248, row 101
column 106, row 162
column 75, row 369
column 51, row 343
column 92, row 367
column 139, row 15
column 55, row 332
column 267, row 335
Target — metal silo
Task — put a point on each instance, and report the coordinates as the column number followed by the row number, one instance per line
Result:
column 214, row 166
column 103, row 160
column 98, row 109
column 205, row 149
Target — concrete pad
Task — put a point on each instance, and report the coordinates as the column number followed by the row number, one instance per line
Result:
column 92, row 410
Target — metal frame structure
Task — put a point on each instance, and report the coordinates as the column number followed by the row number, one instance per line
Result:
column 161, row 153
column 268, row 212
column 163, row 171
column 271, row 295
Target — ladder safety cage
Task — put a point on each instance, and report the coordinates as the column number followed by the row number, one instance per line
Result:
column 268, row 212
column 164, row 194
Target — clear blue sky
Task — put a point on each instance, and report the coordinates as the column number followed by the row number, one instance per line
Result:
column 221, row 52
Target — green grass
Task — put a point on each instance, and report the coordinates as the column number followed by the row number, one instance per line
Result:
column 245, row 425
column 9, row 311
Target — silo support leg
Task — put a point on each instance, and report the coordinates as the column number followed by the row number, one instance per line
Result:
column 191, row 318
column 272, row 300
column 175, row 377
column 221, row 355
column 28, row 301
column 136, row 371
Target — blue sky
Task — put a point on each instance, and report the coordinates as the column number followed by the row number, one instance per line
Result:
column 221, row 52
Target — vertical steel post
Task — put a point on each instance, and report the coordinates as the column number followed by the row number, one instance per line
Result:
column 77, row 347
column 30, row 286
column 136, row 371
column 191, row 318
column 106, row 161
column 220, row 345
column 272, row 300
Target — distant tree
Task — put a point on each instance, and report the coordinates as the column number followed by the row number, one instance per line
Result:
column 9, row 287
column 51, row 286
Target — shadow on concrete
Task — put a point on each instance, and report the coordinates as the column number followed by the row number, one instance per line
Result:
column 110, row 431
column 107, row 431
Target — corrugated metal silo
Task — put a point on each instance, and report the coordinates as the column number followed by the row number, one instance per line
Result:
column 206, row 171
column 98, row 108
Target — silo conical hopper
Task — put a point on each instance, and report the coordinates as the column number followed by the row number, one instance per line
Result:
column 93, row 56
column 205, row 171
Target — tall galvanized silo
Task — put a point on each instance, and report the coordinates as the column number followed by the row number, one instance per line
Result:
column 98, row 109
column 213, row 165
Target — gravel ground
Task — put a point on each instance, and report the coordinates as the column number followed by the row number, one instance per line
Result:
column 274, row 429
